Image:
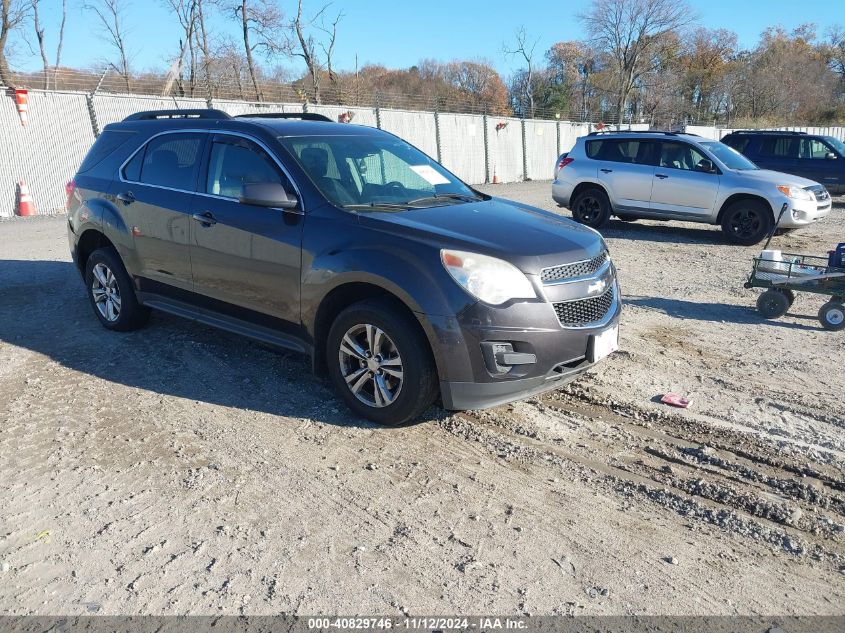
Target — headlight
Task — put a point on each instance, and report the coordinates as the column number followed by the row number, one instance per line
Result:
column 492, row 280
column 796, row 193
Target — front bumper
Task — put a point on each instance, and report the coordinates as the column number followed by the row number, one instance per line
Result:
column 801, row 212
column 559, row 354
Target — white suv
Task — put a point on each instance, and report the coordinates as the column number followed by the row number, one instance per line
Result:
column 674, row 176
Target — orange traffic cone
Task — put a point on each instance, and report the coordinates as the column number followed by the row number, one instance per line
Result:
column 495, row 178
column 22, row 102
column 26, row 206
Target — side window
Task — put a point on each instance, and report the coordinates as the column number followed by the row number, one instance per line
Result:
column 634, row 151
column 681, row 156
column 234, row 162
column 132, row 171
column 779, row 147
column 594, row 148
column 739, row 143
column 170, row 160
column 814, row 148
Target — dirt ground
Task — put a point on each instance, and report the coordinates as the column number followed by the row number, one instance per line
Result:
column 183, row 470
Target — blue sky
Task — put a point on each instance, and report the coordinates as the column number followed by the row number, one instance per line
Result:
column 399, row 33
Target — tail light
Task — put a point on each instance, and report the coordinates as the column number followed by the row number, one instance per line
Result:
column 564, row 161
column 70, row 190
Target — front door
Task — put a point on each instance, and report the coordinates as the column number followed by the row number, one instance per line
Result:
column 820, row 162
column 243, row 255
column 155, row 193
column 684, row 184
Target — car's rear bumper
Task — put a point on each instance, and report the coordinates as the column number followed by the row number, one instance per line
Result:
column 562, row 192
column 549, row 355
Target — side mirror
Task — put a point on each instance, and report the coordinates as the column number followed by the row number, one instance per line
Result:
column 830, row 156
column 706, row 166
column 267, row 194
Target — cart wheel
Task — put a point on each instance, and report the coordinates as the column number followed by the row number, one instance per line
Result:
column 789, row 295
column 773, row 304
column 832, row 316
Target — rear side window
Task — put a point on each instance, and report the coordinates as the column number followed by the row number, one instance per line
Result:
column 105, row 144
column 594, row 148
column 237, row 162
column 634, row 151
column 780, row 147
column 739, row 143
column 169, row 160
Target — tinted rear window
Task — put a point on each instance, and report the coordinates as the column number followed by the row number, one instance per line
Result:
column 780, row 146
column 739, row 143
column 105, row 144
column 634, row 150
column 171, row 160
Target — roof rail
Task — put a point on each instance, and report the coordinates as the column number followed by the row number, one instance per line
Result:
column 302, row 116
column 152, row 115
column 785, row 132
column 664, row 132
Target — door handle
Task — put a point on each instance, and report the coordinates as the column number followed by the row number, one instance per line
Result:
column 606, row 171
column 661, row 176
column 126, row 198
column 205, row 218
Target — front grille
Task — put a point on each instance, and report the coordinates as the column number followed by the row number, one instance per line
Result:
column 583, row 312
column 571, row 271
column 820, row 192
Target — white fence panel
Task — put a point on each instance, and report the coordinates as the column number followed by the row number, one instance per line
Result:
column 47, row 152
column 505, row 148
column 360, row 116
column 415, row 127
column 462, row 146
column 541, row 146
column 235, row 108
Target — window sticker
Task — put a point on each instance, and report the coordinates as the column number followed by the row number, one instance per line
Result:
column 430, row 175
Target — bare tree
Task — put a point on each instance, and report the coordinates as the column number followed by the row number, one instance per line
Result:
column 261, row 21
column 110, row 14
column 186, row 13
column 42, row 44
column 12, row 14
column 302, row 44
column 524, row 49
column 631, row 32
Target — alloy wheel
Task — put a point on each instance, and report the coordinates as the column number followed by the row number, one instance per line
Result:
column 745, row 223
column 106, row 292
column 588, row 209
column 371, row 365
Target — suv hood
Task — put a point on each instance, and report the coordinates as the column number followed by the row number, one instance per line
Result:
column 529, row 238
column 776, row 177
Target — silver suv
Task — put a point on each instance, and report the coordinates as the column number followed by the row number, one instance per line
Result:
column 674, row 176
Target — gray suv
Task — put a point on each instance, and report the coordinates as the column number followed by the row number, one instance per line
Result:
column 342, row 242
column 673, row 176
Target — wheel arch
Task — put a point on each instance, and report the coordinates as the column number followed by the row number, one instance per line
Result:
column 736, row 197
column 341, row 297
column 589, row 184
column 90, row 240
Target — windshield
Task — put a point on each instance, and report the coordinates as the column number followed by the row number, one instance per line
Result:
column 731, row 158
column 375, row 170
column 838, row 145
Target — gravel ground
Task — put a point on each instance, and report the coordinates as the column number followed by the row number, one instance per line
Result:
column 183, row 470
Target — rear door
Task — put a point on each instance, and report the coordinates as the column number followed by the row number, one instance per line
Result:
column 244, row 255
column 779, row 153
column 155, row 194
column 682, row 184
column 626, row 169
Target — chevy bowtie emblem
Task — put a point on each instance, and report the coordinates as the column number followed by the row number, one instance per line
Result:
column 597, row 287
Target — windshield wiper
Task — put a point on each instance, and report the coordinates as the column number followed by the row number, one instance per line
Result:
column 447, row 196
column 375, row 205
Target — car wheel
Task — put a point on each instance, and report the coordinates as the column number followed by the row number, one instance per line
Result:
column 773, row 304
column 111, row 293
column 591, row 207
column 747, row 222
column 832, row 316
column 380, row 362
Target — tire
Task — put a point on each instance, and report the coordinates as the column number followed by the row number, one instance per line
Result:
column 747, row 222
column 111, row 293
column 385, row 398
column 832, row 316
column 789, row 295
column 773, row 304
column 591, row 207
